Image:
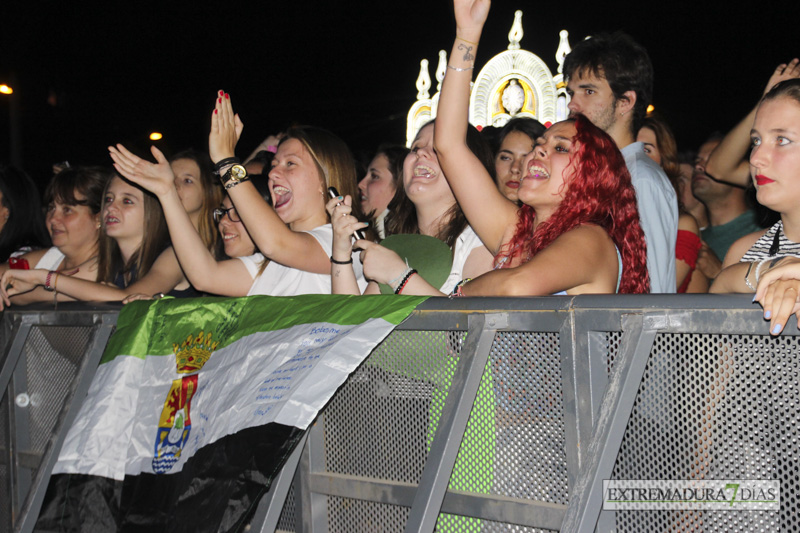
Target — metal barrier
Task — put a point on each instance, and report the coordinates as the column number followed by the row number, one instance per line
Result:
column 507, row 414
column 48, row 359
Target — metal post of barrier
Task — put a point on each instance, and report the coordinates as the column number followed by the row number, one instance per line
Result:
column 269, row 508
column 18, row 333
column 22, row 327
column 572, row 395
column 19, row 402
column 586, row 499
column 105, row 323
column 453, row 422
column 311, row 507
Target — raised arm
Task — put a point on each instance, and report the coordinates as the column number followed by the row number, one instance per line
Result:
column 489, row 213
column 273, row 238
column 204, row 272
column 269, row 144
column 727, row 162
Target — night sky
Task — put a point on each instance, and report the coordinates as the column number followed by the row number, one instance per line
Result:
column 85, row 78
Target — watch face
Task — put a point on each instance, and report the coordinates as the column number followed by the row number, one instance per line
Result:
column 238, row 172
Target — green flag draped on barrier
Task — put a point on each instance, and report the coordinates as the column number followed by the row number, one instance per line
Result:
column 197, row 403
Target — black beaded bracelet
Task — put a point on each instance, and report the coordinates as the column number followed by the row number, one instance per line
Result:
column 403, row 283
column 348, row 262
column 227, row 161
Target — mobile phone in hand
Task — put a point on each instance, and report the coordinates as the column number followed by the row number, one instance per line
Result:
column 335, row 194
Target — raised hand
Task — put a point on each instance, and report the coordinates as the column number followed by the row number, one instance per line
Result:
column 470, row 17
column 344, row 225
column 226, row 128
column 157, row 178
column 784, row 72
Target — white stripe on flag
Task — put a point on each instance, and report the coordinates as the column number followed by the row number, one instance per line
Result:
column 283, row 376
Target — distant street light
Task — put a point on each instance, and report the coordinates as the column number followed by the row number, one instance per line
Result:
column 155, row 136
column 650, row 108
column 5, row 89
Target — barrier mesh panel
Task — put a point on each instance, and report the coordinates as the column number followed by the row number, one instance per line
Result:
column 613, row 338
column 716, row 407
column 378, row 424
column 381, row 422
column 359, row 516
column 53, row 357
column 514, row 444
column 288, row 519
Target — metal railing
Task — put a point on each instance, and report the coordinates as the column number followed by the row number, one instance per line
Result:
column 504, row 415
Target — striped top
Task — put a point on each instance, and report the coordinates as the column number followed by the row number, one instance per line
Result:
column 761, row 249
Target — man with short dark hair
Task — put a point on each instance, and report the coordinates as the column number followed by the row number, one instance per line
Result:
column 610, row 81
column 729, row 216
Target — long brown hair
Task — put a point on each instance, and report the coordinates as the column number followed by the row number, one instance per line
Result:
column 667, row 147
column 155, row 239
column 212, row 195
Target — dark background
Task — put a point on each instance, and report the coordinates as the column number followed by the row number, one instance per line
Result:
column 85, row 76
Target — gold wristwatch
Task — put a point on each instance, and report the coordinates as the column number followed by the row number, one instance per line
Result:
column 234, row 176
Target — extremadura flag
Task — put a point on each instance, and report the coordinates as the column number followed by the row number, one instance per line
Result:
column 197, row 403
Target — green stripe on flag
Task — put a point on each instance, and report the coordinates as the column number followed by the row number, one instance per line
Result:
column 151, row 328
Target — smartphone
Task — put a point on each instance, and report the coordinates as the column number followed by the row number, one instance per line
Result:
column 334, row 194
column 18, row 263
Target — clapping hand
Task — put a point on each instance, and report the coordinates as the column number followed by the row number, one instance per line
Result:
column 226, row 128
column 157, row 178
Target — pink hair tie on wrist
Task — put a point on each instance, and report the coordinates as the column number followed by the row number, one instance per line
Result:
column 272, row 148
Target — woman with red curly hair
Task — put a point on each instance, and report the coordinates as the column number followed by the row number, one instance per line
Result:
column 578, row 229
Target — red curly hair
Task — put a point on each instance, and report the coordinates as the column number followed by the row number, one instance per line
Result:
column 599, row 192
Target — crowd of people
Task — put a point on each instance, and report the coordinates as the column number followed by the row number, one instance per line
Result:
column 602, row 202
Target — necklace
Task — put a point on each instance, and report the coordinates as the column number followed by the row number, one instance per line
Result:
column 77, row 268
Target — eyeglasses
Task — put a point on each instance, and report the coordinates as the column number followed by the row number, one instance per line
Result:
column 220, row 212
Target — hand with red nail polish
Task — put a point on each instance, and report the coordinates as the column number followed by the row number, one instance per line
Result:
column 226, row 128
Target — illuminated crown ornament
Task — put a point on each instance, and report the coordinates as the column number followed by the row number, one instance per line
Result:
column 514, row 83
column 193, row 353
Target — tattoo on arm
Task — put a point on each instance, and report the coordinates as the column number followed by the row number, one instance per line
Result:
column 467, row 52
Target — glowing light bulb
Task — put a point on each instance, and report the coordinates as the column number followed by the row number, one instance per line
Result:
column 5, row 89
column 155, row 136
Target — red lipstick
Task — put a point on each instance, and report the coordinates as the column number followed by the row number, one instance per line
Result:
column 763, row 180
